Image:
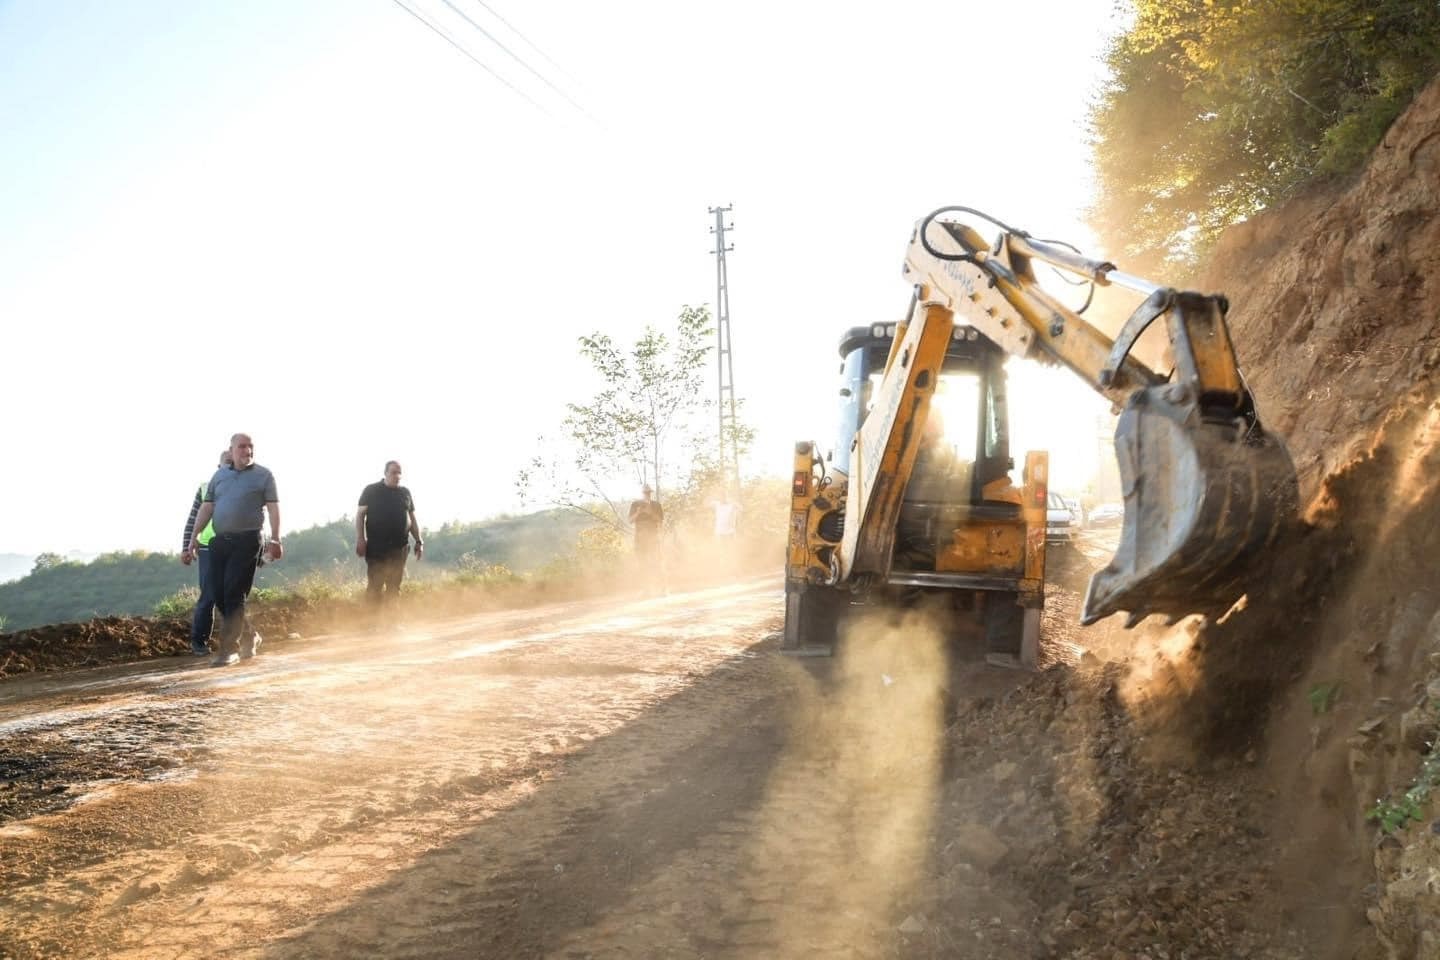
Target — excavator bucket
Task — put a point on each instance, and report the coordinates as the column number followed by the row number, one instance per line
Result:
column 1204, row 500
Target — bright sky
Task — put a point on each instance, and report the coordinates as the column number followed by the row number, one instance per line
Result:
column 322, row 224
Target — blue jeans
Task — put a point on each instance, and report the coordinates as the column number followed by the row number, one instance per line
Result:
column 205, row 606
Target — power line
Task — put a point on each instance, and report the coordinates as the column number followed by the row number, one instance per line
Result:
column 476, row 60
column 514, row 56
column 513, row 29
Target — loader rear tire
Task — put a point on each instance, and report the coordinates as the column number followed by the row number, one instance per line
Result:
column 1012, row 630
column 812, row 616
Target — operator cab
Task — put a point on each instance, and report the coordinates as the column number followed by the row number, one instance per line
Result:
column 967, row 442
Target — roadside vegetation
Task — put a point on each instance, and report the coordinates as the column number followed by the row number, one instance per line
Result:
column 1215, row 111
column 140, row 582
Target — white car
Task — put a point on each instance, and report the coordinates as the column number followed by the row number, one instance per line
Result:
column 1061, row 523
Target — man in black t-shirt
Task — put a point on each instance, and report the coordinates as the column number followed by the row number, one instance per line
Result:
column 646, row 516
column 384, row 523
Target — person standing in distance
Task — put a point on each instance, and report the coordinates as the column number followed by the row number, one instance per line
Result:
column 648, row 517
column 204, row 617
column 237, row 500
column 384, row 522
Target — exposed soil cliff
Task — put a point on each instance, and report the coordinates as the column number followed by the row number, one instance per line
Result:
column 1330, row 673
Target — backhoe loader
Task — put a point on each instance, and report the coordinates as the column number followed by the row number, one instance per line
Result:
column 916, row 502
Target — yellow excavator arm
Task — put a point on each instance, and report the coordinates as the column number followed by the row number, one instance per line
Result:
column 887, row 444
column 994, row 289
column 1206, row 489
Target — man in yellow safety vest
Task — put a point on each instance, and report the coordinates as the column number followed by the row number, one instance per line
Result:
column 204, row 619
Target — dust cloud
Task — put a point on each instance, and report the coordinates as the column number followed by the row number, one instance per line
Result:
column 863, row 764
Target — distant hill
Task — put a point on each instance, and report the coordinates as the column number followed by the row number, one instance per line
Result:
column 131, row 583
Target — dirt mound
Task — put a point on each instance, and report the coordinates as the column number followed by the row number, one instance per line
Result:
column 107, row 640
column 1121, row 845
column 63, row 646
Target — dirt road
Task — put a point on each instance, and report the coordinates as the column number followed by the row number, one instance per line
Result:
column 628, row 778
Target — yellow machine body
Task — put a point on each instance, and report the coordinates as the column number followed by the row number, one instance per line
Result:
column 1206, row 489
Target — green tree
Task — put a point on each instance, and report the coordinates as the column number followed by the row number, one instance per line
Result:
column 644, row 418
column 707, row 479
column 1216, row 110
column 47, row 561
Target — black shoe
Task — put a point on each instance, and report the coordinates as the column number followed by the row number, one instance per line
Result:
column 199, row 651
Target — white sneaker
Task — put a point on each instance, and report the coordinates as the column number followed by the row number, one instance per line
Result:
column 248, row 650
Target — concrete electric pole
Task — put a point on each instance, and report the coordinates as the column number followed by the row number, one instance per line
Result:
column 729, row 450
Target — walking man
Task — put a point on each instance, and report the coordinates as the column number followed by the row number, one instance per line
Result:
column 237, row 501
column 384, row 522
column 204, row 617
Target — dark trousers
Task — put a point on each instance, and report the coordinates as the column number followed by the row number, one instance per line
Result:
column 232, row 573
column 383, row 574
column 204, row 618
column 651, row 564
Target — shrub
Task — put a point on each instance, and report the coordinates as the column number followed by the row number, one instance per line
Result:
column 179, row 603
column 476, row 571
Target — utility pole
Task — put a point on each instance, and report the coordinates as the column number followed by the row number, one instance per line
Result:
column 729, row 450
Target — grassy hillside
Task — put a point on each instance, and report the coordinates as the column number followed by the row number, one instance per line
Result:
column 133, row 583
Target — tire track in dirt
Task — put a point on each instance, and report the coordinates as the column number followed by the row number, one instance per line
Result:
column 777, row 809
column 574, row 849
column 837, row 857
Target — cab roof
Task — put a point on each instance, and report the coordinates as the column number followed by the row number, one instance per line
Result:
column 965, row 340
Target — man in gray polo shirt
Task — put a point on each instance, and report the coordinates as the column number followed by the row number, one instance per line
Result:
column 237, row 500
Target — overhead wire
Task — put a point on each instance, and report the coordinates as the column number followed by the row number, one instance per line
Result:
column 528, row 42
column 516, row 57
column 476, row 60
